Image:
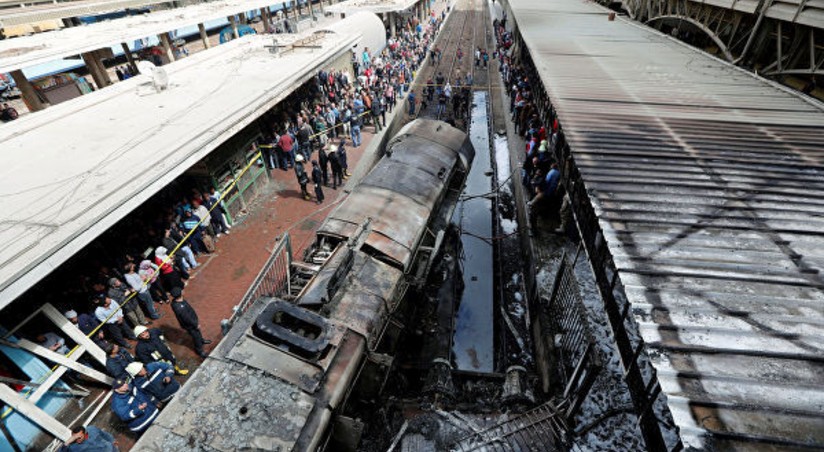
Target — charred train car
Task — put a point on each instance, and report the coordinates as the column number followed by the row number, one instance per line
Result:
column 282, row 375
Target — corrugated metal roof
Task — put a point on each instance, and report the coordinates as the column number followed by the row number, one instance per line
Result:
column 709, row 186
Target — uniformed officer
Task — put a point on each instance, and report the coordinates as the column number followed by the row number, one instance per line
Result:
column 133, row 406
column 155, row 378
column 151, row 347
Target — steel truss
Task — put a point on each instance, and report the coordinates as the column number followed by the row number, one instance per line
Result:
column 773, row 37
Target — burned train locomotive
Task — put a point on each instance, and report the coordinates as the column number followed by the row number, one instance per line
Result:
column 284, row 372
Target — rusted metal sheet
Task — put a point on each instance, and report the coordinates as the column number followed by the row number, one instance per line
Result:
column 400, row 194
column 368, row 298
column 708, row 185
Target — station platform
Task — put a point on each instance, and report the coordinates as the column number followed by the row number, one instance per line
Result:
column 695, row 186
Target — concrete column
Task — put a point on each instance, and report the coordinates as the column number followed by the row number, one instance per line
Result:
column 311, row 8
column 233, row 23
column 203, row 36
column 129, row 58
column 27, row 91
column 320, row 3
column 392, row 27
column 264, row 16
column 167, row 45
column 96, row 69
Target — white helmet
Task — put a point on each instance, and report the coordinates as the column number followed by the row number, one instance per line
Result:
column 140, row 329
column 299, row 158
column 134, row 368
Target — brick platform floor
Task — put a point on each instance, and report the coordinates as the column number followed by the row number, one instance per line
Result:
column 222, row 278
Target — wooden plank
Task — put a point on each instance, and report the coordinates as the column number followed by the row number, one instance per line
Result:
column 34, row 413
column 43, row 352
column 74, row 333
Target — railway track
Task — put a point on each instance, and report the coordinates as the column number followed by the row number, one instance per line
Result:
column 470, row 14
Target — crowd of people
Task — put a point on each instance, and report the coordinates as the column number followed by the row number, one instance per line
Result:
column 317, row 129
column 540, row 174
column 116, row 303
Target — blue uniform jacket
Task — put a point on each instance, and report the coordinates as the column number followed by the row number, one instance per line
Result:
column 153, row 384
column 125, row 406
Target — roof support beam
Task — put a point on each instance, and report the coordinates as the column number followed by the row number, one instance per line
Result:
column 33, row 412
column 30, row 97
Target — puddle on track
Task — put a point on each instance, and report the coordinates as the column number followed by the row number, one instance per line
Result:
column 473, row 340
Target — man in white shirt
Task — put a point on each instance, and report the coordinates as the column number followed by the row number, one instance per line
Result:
column 110, row 314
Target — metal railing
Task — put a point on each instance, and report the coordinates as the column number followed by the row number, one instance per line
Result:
column 273, row 280
column 568, row 319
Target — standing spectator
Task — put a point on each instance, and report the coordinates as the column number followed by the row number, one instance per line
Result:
column 133, row 406
column 124, row 298
column 109, row 313
column 148, row 272
column 323, row 159
column 187, row 317
column 134, row 281
column 344, row 164
column 89, row 439
column 337, row 170
column 172, row 238
column 156, row 379
column 168, row 275
column 303, row 179
column 411, row 103
column 376, row 114
column 355, row 127
column 152, row 346
column 286, row 146
column 317, row 179
column 116, row 361
column 87, row 323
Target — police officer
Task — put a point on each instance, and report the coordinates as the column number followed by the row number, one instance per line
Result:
column 133, row 406
column 151, row 347
column 187, row 317
column 156, row 379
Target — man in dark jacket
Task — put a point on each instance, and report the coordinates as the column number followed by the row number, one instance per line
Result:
column 133, row 406
column 317, row 179
column 117, row 360
column 376, row 115
column 156, row 379
column 187, row 317
column 337, row 169
column 151, row 347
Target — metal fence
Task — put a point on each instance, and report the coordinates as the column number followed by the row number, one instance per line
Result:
column 274, row 279
column 568, row 319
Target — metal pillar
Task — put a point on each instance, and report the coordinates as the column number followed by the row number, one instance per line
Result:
column 129, row 57
column 167, row 45
column 264, row 16
column 392, row 26
column 96, row 69
column 780, row 48
column 233, row 23
column 203, row 36
column 311, row 9
column 27, row 91
column 320, row 3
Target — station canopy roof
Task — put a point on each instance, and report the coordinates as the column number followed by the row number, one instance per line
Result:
column 72, row 171
column 39, row 48
column 707, row 182
column 373, row 6
column 10, row 16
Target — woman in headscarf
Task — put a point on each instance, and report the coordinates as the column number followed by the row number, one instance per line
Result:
column 148, row 272
column 168, row 275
